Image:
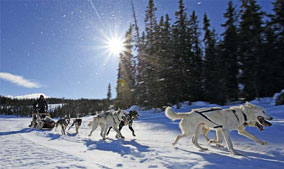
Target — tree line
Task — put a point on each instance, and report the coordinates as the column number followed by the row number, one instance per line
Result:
column 178, row 60
column 58, row 107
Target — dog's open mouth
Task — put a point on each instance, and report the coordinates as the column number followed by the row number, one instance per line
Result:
column 263, row 122
column 259, row 126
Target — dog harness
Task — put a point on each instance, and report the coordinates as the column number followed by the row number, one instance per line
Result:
column 217, row 125
column 244, row 115
column 234, row 111
column 212, row 109
column 129, row 119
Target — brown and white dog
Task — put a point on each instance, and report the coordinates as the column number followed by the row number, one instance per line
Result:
column 223, row 121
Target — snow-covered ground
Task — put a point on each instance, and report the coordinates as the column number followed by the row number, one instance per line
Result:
column 22, row 147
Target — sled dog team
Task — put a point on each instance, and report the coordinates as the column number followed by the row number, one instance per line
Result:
column 106, row 120
column 192, row 124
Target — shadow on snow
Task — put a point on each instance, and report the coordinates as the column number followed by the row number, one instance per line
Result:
column 121, row 146
column 24, row 130
column 247, row 160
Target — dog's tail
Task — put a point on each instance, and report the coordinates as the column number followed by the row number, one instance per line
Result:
column 174, row 116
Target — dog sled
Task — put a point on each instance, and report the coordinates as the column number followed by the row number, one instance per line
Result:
column 42, row 121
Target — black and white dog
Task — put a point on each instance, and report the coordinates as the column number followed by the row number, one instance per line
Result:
column 107, row 120
column 133, row 114
column 77, row 123
column 63, row 123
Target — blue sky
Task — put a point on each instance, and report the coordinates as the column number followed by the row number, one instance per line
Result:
column 57, row 47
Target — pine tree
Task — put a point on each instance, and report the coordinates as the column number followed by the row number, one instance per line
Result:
column 270, row 67
column 163, row 60
column 213, row 81
column 277, row 27
column 196, row 75
column 229, row 53
column 109, row 92
column 150, row 54
column 251, row 48
column 123, row 99
column 158, row 68
column 180, row 50
column 126, row 74
column 271, row 62
column 167, row 73
column 140, row 92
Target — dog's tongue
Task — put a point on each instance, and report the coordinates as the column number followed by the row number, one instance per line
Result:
column 266, row 123
column 259, row 126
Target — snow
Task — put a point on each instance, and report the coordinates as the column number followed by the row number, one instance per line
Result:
column 22, row 147
column 52, row 107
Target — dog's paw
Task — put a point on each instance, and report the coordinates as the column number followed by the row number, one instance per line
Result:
column 219, row 145
column 262, row 142
column 174, row 143
column 134, row 135
column 212, row 141
column 204, row 149
column 236, row 153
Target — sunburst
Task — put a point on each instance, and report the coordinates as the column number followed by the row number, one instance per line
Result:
column 115, row 45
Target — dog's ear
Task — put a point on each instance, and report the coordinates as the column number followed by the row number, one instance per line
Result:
column 248, row 104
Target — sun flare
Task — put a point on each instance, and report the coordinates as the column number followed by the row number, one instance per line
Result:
column 115, row 45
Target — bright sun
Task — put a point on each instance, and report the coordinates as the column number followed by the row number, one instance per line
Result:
column 115, row 45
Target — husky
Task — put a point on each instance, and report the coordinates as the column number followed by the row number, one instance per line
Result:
column 106, row 120
column 223, row 121
column 77, row 122
column 132, row 115
column 63, row 123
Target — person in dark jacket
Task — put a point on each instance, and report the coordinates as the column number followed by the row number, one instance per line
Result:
column 41, row 105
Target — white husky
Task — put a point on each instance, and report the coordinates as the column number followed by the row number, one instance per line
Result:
column 107, row 120
column 221, row 120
